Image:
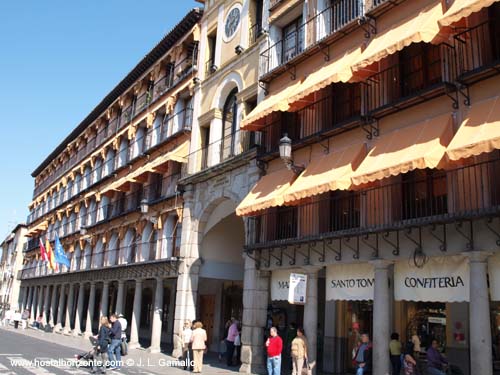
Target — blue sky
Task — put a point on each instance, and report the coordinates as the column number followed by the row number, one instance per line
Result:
column 58, row 59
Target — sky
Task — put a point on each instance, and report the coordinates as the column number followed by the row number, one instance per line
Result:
column 58, row 59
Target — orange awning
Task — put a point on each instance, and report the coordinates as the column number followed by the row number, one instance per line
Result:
column 463, row 8
column 277, row 101
column 414, row 28
column 479, row 132
column 417, row 146
column 267, row 192
column 328, row 172
column 338, row 70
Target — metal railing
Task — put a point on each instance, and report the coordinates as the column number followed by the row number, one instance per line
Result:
column 478, row 47
column 165, row 248
column 412, row 77
column 325, row 23
column 415, row 198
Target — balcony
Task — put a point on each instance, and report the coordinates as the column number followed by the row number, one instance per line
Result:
column 424, row 71
column 418, row 198
column 170, row 127
column 331, row 114
column 478, row 51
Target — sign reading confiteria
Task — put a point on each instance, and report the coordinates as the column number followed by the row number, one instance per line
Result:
column 441, row 279
column 351, row 282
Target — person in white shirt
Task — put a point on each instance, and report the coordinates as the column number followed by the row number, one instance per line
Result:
column 123, row 323
column 186, row 335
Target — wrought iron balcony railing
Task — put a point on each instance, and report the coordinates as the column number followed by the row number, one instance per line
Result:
column 422, row 197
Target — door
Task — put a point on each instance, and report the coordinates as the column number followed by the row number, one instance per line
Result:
column 207, row 309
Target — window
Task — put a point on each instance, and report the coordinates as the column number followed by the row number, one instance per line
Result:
column 293, row 39
column 229, row 125
column 286, row 222
column 339, row 210
column 346, row 102
column 212, row 41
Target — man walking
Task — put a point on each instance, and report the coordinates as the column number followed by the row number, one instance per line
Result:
column 274, row 345
column 231, row 336
column 123, row 323
column 114, row 349
column 363, row 356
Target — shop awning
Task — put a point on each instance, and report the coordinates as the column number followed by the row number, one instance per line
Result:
column 350, row 282
column 479, row 132
column 415, row 28
column 417, row 146
column 338, row 70
column 179, row 154
column 441, row 279
column 328, row 172
column 268, row 192
column 277, row 101
column 40, row 227
column 463, row 8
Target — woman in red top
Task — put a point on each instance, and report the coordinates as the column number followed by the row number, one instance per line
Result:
column 274, row 346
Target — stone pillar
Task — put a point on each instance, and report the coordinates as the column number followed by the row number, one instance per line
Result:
column 157, row 314
column 381, row 318
column 60, row 308
column 120, row 297
column 90, row 310
column 46, row 307
column 479, row 315
column 105, row 299
column 30, row 298
column 34, row 303
column 25, row 298
column 79, row 310
column 255, row 300
column 311, row 316
column 40, row 301
column 171, row 312
column 53, row 306
column 69, row 308
column 136, row 316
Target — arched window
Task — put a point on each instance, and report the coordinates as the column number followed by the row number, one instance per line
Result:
column 229, row 124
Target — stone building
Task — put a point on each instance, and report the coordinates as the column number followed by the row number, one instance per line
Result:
column 11, row 262
column 110, row 192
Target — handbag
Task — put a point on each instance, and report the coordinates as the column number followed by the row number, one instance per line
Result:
column 124, row 347
column 306, row 369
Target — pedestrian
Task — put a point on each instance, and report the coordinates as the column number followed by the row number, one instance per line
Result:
column 237, row 345
column 363, row 357
column 24, row 318
column 124, row 324
column 7, row 317
column 101, row 343
column 186, row 334
column 395, row 353
column 415, row 339
column 114, row 349
column 436, row 363
column 290, row 334
column 409, row 361
column 17, row 319
column 231, row 336
column 274, row 345
column 198, row 345
column 299, row 352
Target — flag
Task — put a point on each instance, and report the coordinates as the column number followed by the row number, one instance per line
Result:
column 50, row 255
column 61, row 257
column 43, row 252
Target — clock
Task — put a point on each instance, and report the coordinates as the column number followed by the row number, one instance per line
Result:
column 232, row 22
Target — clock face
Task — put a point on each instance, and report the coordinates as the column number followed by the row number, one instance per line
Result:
column 232, row 22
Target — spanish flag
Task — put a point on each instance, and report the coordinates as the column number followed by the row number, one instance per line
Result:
column 51, row 256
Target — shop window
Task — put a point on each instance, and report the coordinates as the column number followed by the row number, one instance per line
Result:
column 424, row 193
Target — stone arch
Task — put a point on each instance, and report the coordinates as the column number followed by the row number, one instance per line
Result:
column 228, row 83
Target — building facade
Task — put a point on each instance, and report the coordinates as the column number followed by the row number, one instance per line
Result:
column 110, row 193
column 11, row 263
column 378, row 142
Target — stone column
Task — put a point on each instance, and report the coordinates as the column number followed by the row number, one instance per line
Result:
column 120, row 297
column 60, row 308
column 104, row 299
column 136, row 315
column 381, row 317
column 255, row 300
column 90, row 311
column 40, row 301
column 311, row 316
column 25, row 298
column 46, row 307
column 53, row 306
column 30, row 298
column 171, row 312
column 69, row 308
column 479, row 315
column 157, row 314
column 34, row 303
column 79, row 310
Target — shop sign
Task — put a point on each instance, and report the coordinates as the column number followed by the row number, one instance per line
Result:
column 280, row 284
column 298, row 289
column 441, row 279
column 350, row 282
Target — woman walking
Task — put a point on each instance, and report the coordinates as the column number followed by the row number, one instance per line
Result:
column 198, row 345
column 101, row 346
column 299, row 352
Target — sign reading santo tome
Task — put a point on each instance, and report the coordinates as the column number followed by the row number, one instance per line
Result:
column 350, row 282
column 441, row 279
column 298, row 289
